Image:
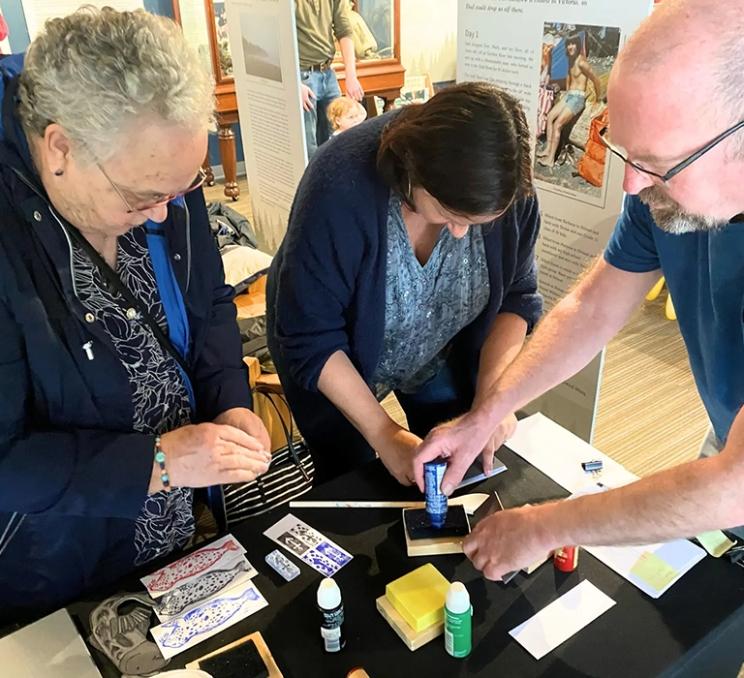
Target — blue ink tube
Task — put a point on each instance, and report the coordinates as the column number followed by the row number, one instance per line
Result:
column 436, row 500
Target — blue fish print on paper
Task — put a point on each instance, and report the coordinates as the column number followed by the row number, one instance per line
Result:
column 204, row 619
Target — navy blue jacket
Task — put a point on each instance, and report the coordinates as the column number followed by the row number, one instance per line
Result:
column 73, row 473
column 326, row 287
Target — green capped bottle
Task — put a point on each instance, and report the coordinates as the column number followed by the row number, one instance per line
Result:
column 458, row 621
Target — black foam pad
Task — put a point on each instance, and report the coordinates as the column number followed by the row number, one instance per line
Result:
column 241, row 661
column 418, row 525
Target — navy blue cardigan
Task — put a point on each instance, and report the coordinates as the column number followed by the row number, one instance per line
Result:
column 326, row 287
column 73, row 473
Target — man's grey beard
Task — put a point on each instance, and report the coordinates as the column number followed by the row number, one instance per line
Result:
column 670, row 217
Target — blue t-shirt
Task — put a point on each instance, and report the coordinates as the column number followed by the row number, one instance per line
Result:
column 704, row 272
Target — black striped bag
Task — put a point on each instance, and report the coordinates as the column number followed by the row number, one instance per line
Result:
column 290, row 475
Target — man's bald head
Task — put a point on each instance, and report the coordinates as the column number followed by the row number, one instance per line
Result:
column 689, row 52
column 675, row 86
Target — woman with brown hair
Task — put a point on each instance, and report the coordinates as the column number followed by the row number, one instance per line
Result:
column 408, row 266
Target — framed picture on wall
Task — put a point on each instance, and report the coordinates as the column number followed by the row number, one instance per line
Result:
column 375, row 30
column 223, row 63
column 192, row 17
column 204, row 23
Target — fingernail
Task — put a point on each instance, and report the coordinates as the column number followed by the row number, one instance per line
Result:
column 446, row 488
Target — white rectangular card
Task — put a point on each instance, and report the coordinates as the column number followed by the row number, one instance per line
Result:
column 561, row 619
column 220, row 554
column 309, row 545
column 208, row 619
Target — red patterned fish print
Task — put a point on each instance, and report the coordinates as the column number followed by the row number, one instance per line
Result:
column 187, row 567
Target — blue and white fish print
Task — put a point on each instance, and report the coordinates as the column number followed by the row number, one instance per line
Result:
column 207, row 620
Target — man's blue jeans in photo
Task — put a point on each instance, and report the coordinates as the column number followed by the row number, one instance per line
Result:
column 325, row 87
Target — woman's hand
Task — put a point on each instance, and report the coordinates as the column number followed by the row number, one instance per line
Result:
column 397, row 449
column 199, row 455
column 248, row 421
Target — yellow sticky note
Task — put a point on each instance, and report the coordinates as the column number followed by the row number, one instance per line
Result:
column 654, row 571
column 715, row 542
column 419, row 596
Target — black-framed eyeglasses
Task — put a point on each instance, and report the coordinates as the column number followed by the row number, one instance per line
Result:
column 196, row 183
column 674, row 171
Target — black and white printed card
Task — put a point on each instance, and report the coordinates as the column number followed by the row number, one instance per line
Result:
column 309, row 545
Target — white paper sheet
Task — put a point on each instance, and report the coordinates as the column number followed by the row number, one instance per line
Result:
column 309, row 545
column 38, row 11
column 561, row 619
column 558, row 453
column 220, row 554
column 208, row 619
column 679, row 556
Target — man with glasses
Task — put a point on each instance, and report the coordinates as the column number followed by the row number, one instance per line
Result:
column 675, row 120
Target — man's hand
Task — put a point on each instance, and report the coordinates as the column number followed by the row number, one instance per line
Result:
column 397, row 450
column 507, row 541
column 503, row 432
column 354, row 88
column 308, row 98
column 245, row 420
column 459, row 441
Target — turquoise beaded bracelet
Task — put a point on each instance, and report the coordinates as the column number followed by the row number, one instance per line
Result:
column 160, row 461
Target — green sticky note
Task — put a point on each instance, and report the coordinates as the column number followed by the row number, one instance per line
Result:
column 716, row 542
column 654, row 571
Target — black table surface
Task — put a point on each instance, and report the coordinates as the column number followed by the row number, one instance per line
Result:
column 696, row 628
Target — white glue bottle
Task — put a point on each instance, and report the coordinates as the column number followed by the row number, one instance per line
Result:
column 458, row 621
column 332, row 615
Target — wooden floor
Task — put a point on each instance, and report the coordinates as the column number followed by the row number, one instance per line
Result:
column 650, row 416
column 242, row 204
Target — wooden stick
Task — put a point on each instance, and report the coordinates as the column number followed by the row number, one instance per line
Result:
column 470, row 501
column 356, row 504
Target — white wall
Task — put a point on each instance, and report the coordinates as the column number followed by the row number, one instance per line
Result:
column 428, row 38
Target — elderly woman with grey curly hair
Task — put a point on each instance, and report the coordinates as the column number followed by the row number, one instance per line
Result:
column 121, row 381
